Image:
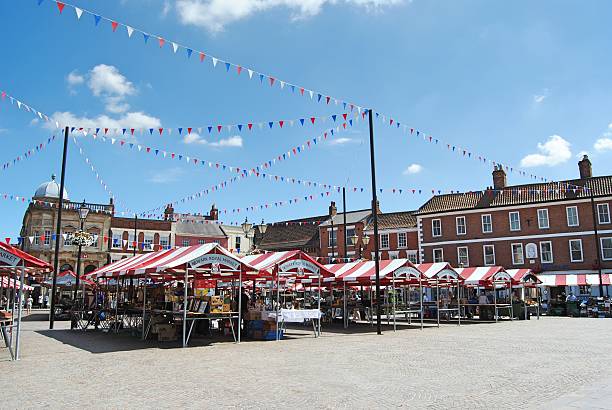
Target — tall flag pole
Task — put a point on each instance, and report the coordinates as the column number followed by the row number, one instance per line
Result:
column 375, row 216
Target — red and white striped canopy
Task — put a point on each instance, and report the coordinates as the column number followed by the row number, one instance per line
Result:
column 11, row 283
column 177, row 260
column 484, row 275
column 365, row 271
column 574, row 280
column 438, row 270
column 294, row 264
column 523, row 276
column 11, row 256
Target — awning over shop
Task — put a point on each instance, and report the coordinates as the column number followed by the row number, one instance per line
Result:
column 365, row 271
column 295, row 264
column 12, row 257
column 6, row 282
column 219, row 261
column 484, row 275
column 523, row 276
column 573, row 279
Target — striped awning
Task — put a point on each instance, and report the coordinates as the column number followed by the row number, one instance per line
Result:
column 574, row 279
column 294, row 264
column 365, row 271
column 177, row 260
column 6, row 282
column 484, row 275
column 438, row 271
column 523, row 276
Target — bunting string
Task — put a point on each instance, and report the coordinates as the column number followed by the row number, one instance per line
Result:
column 4, row 95
column 29, row 153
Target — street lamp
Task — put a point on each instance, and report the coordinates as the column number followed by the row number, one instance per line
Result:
column 246, row 227
column 262, row 227
column 365, row 240
column 81, row 238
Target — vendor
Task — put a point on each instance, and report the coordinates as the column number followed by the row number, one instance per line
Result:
column 571, row 297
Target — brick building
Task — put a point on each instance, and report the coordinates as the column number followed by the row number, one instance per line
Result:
column 135, row 235
column 398, row 236
column 296, row 234
column 557, row 228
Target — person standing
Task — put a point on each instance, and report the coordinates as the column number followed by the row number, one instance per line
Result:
column 29, row 303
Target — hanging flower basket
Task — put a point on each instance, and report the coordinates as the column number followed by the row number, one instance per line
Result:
column 81, row 238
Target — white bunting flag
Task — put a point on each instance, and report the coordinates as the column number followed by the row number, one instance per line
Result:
column 250, row 73
column 79, row 12
column 214, row 61
column 311, row 94
column 130, row 30
column 174, row 47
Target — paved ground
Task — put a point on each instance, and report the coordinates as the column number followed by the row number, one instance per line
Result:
column 551, row 363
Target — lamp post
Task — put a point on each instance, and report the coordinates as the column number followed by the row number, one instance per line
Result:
column 364, row 241
column 262, row 228
column 83, row 212
column 246, row 228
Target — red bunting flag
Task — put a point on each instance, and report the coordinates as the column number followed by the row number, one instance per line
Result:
column 8, row 240
column 302, row 91
column 312, row 119
column 115, row 25
column 105, row 131
column 160, row 131
column 189, row 130
column 161, row 42
column 281, row 123
column 219, row 127
column 60, row 6
column 250, row 126
column 239, row 69
column 272, row 81
column 202, row 57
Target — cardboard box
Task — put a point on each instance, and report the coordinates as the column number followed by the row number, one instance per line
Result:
column 166, row 333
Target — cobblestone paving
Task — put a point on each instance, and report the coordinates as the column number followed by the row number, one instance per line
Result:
column 551, row 363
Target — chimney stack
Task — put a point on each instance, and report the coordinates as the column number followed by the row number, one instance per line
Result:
column 499, row 178
column 168, row 212
column 332, row 209
column 214, row 213
column 377, row 207
column 586, row 170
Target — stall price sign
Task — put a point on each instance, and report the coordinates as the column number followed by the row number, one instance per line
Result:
column 204, row 287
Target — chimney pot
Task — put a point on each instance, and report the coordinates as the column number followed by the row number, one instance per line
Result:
column 332, row 209
column 500, row 180
column 585, row 168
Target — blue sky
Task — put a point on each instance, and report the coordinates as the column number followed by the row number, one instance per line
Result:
column 524, row 83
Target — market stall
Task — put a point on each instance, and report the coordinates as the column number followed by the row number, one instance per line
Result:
column 447, row 283
column 392, row 273
column 570, row 294
column 291, row 268
column 12, row 261
column 494, row 279
column 182, row 267
column 528, row 283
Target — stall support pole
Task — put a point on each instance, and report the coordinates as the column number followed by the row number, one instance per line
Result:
column 510, row 299
column 438, row 300
column 185, row 308
column 144, row 306
column 524, row 297
column 371, row 307
column 394, row 298
column 13, row 294
column 421, row 300
column 117, row 307
column 240, row 303
column 319, row 307
column 375, row 223
column 19, row 313
column 344, row 313
column 278, row 307
column 458, row 303
column 495, row 300
column 539, row 297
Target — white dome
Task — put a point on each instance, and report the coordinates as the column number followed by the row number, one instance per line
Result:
column 50, row 190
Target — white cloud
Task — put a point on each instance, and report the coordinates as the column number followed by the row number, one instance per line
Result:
column 74, row 78
column 603, row 144
column 166, row 9
column 107, row 82
column 166, row 176
column 215, row 14
column 413, row 169
column 554, row 151
column 131, row 119
column 539, row 98
column 231, row 142
column 343, row 141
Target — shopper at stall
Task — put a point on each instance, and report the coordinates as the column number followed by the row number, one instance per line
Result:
column 571, row 297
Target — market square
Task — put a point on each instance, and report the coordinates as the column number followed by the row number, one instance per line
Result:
column 326, row 204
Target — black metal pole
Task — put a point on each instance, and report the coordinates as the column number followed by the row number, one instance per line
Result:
column 375, row 217
column 78, row 269
column 135, row 237
column 597, row 244
column 58, row 230
column 344, row 241
column 332, row 240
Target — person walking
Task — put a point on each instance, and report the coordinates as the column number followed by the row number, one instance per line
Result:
column 29, row 303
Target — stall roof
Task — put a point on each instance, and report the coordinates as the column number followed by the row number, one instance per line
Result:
column 483, row 275
column 177, row 260
column 574, row 280
column 6, row 282
column 365, row 271
column 11, row 256
column 289, row 263
column 522, row 275
column 438, row 270
column 68, row 278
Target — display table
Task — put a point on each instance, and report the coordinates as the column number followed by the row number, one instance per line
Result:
column 4, row 325
column 296, row 316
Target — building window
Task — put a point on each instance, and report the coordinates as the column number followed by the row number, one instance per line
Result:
column 349, row 232
column 487, row 223
column 47, row 240
column 164, row 242
column 116, row 240
column 575, row 247
column 572, row 216
column 436, row 228
column 402, row 240
column 95, row 238
column 515, row 221
column 132, row 241
column 412, row 257
column 463, row 258
column 237, row 243
column 68, row 238
column 517, row 254
column 603, row 213
column 201, row 241
column 148, row 242
column 489, row 255
column 332, row 237
column 384, row 241
column 186, row 242
column 36, row 238
column 461, row 228
column 438, row 255
column 543, row 219
column 606, row 248
column 546, row 252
